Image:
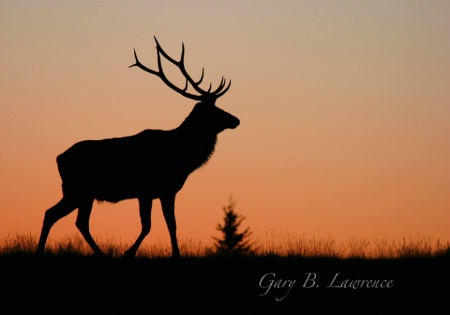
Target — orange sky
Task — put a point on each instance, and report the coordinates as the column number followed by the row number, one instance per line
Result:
column 344, row 109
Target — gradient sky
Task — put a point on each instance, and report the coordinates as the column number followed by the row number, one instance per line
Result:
column 344, row 109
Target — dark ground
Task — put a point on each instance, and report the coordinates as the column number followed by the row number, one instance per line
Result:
column 72, row 284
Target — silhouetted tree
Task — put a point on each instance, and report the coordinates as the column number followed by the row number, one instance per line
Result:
column 232, row 242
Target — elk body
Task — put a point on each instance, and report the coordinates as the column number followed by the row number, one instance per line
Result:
column 154, row 164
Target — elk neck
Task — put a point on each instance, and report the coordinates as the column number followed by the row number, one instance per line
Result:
column 197, row 135
column 196, row 140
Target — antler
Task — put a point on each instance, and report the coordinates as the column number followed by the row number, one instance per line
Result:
column 221, row 90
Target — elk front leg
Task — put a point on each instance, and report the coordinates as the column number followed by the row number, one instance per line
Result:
column 145, row 209
column 168, row 207
column 82, row 223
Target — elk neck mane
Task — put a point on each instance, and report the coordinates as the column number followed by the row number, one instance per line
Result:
column 198, row 142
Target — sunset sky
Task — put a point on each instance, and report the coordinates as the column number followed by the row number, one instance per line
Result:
column 344, row 109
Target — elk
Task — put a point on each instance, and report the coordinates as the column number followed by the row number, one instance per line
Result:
column 153, row 164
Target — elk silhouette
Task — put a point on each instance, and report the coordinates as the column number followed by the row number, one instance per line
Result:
column 153, row 164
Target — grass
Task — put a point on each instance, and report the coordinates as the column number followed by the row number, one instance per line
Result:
column 285, row 244
column 69, row 280
column 267, row 244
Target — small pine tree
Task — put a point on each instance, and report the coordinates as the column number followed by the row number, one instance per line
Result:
column 232, row 242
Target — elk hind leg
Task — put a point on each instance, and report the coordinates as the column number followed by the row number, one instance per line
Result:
column 145, row 209
column 52, row 215
column 82, row 223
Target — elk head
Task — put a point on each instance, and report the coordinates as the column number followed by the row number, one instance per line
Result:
column 206, row 116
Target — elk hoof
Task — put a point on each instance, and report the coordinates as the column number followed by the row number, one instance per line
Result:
column 129, row 253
